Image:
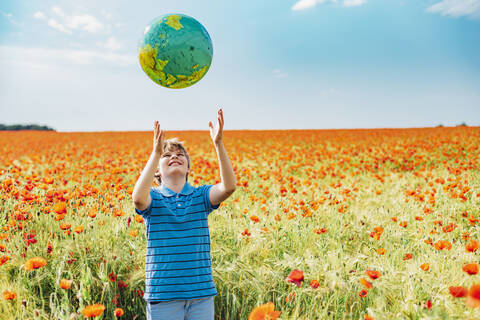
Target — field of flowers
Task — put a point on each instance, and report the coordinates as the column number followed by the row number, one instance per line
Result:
column 324, row 224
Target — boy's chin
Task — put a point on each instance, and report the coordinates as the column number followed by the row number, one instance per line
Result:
column 176, row 174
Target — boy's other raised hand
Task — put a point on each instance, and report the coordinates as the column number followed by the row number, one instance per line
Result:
column 158, row 137
column 216, row 133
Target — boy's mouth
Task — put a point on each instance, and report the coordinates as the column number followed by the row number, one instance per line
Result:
column 173, row 162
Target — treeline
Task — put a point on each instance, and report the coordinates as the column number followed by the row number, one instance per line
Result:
column 17, row 127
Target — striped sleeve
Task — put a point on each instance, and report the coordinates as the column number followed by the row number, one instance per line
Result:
column 206, row 198
column 147, row 211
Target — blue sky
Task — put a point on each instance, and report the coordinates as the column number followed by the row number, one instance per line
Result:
column 277, row 64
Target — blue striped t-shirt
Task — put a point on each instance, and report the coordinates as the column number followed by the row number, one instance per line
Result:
column 178, row 262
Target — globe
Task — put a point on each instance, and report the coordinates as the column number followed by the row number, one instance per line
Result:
column 176, row 51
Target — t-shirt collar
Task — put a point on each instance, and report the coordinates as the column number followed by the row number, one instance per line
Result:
column 167, row 192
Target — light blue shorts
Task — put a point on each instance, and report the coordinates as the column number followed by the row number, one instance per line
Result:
column 196, row 309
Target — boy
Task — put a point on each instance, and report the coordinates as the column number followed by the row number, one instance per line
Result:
column 178, row 277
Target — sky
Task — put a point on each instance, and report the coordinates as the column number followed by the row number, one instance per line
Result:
column 277, row 64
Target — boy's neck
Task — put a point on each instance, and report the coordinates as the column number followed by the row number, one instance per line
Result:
column 174, row 185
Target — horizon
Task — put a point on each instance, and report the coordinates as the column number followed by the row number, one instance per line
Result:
column 461, row 125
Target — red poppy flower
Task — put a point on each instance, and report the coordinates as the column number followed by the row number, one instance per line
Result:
column 373, row 274
column 472, row 246
column 473, row 298
column 458, row 292
column 296, row 277
column 314, row 284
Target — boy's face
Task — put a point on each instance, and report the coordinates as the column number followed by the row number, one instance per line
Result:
column 173, row 163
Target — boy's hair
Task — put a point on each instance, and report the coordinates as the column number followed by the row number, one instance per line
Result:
column 174, row 144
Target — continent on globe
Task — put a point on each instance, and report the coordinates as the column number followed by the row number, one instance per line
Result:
column 176, row 51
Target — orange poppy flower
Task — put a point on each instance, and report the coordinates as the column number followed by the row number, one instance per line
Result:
column 65, row 226
column 4, row 259
column 118, row 312
column 133, row 233
column 296, row 277
column 264, row 312
column 381, row 251
column 366, row 283
column 363, row 293
column 373, row 274
column 443, row 244
column 367, row 317
column 138, row 218
column 78, row 229
column 35, row 263
column 408, row 256
column 246, row 232
column 60, row 207
column 93, row 310
column 458, row 292
column 314, row 284
column 472, row 246
column 473, row 298
column 65, row 284
column 376, row 233
column 7, row 295
column 425, row 267
column 254, row 219
column 471, row 268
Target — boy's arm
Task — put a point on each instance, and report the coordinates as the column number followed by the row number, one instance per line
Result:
column 228, row 184
column 141, row 192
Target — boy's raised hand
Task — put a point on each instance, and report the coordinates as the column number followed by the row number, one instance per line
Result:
column 158, row 137
column 216, row 133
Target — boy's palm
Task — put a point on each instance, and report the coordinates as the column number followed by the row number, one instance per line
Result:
column 158, row 137
column 216, row 133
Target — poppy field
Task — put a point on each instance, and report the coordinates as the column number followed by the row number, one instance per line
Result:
column 324, row 224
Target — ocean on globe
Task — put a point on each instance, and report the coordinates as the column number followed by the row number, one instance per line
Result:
column 176, row 51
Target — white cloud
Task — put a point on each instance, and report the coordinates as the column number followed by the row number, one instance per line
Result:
column 112, row 44
column 48, row 57
column 59, row 12
column 277, row 73
column 39, row 15
column 85, row 22
column 353, row 3
column 307, row 4
column 456, row 8
column 58, row 26
column 69, row 23
column 9, row 17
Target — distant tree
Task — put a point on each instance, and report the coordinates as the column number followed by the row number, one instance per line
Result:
column 463, row 124
column 18, row 127
column 440, row 125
